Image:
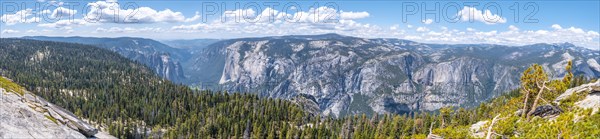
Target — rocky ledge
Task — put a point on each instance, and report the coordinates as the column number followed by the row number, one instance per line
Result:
column 590, row 101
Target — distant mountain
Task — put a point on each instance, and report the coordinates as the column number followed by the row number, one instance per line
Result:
column 164, row 60
column 194, row 44
column 351, row 75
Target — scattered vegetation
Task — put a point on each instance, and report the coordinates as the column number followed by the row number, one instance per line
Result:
column 51, row 119
column 10, row 86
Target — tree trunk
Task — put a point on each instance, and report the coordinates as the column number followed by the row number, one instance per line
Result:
column 537, row 98
column 525, row 104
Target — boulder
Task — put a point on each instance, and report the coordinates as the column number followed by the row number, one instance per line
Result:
column 477, row 130
column 519, row 112
column 546, row 111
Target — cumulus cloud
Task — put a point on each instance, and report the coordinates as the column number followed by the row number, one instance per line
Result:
column 427, row 21
column 65, row 24
column 513, row 28
column 273, row 22
column 30, row 16
column 511, row 36
column 22, row 16
column 473, row 14
column 111, row 12
column 62, row 13
column 422, row 29
column 556, row 26
column 194, row 18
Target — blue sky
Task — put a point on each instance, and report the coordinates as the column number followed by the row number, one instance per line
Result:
column 492, row 22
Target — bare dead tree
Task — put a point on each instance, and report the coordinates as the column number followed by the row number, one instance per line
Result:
column 489, row 132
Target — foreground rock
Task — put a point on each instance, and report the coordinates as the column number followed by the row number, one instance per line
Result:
column 477, row 130
column 29, row 116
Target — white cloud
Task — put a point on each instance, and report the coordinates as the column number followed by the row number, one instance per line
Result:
column 128, row 30
column 65, row 24
column 473, row 14
column 353, row 15
column 56, row 3
column 422, row 29
column 394, row 27
column 62, row 13
column 556, row 26
column 427, row 21
column 9, row 31
column 22, row 16
column 272, row 22
column 194, row 18
column 511, row 36
column 513, row 28
column 110, row 12
column 576, row 30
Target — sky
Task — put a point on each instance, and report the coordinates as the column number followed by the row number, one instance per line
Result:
column 449, row 22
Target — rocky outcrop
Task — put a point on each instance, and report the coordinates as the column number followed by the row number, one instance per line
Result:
column 591, row 99
column 307, row 103
column 29, row 116
column 589, row 87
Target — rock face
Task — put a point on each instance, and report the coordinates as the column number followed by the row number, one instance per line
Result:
column 29, row 116
column 349, row 75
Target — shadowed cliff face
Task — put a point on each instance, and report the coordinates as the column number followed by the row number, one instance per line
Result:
column 350, row 75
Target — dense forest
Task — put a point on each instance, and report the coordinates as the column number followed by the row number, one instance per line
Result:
column 129, row 101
